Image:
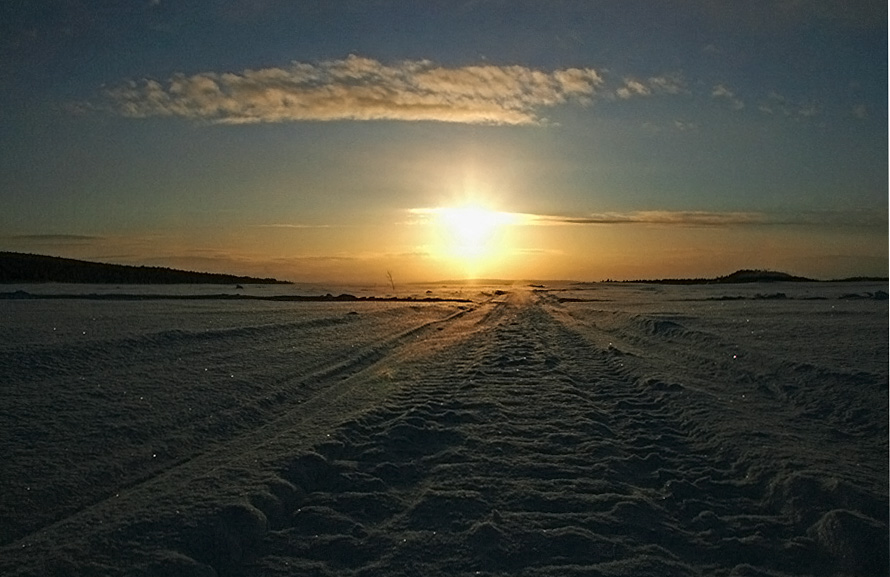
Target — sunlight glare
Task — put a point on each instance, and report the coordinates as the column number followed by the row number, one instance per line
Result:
column 474, row 240
column 471, row 231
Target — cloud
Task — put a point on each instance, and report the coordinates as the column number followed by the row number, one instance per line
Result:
column 721, row 91
column 685, row 126
column 633, row 88
column 666, row 217
column 667, row 83
column 292, row 225
column 358, row 88
column 776, row 103
column 860, row 111
column 50, row 242
column 856, row 218
column 54, row 237
column 679, row 125
column 808, row 110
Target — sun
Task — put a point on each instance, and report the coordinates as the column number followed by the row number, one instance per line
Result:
column 471, row 238
column 470, row 231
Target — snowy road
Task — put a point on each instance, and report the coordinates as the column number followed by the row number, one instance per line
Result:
column 608, row 432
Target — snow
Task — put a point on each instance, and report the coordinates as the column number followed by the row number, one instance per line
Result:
column 571, row 429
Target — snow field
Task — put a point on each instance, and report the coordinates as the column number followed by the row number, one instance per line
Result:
column 631, row 432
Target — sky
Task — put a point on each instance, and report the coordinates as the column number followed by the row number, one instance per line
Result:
column 348, row 141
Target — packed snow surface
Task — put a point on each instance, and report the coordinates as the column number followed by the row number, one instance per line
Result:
column 573, row 429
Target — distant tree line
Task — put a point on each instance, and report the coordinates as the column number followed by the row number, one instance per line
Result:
column 31, row 268
column 739, row 276
column 749, row 276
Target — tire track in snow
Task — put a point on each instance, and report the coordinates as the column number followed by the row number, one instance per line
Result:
column 256, row 411
column 525, row 450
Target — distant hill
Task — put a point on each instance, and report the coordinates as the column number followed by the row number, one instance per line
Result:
column 738, row 277
column 745, row 276
column 31, row 268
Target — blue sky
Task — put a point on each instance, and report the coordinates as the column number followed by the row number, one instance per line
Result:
column 316, row 140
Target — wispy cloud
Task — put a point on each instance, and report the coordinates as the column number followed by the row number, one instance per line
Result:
column 45, row 241
column 294, row 225
column 665, row 217
column 857, row 218
column 666, row 83
column 633, row 88
column 776, row 103
column 358, row 88
column 808, row 110
column 673, row 218
column 662, row 217
column 684, row 126
column 722, row 92
column 54, row 237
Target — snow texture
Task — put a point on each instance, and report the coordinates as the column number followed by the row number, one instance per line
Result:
column 574, row 429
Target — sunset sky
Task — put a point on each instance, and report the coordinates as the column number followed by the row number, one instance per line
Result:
column 336, row 141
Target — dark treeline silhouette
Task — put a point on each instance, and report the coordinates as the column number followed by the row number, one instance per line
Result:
column 750, row 276
column 327, row 298
column 31, row 268
column 739, row 276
